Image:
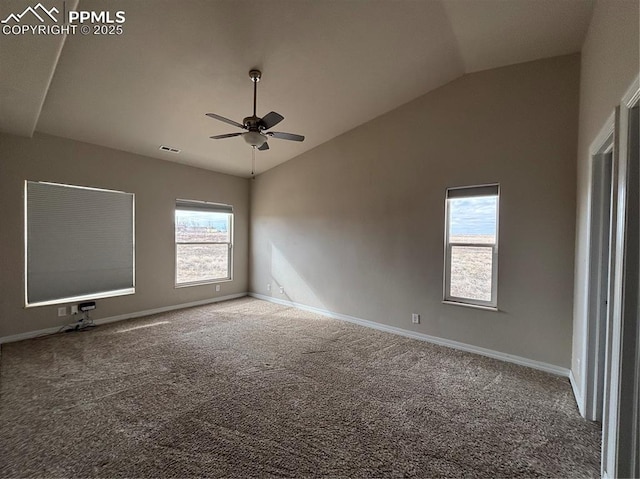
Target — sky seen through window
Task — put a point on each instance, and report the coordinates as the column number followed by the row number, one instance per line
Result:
column 473, row 216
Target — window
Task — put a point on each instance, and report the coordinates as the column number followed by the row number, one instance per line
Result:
column 471, row 242
column 203, row 242
column 79, row 243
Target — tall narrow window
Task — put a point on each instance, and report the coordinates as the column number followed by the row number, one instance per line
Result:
column 203, row 242
column 471, row 245
column 79, row 243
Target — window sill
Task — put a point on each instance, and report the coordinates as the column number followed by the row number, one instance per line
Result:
column 203, row 283
column 468, row 305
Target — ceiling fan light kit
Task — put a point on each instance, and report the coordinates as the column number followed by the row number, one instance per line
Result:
column 254, row 138
column 256, row 134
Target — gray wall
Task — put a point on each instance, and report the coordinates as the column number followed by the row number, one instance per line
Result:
column 355, row 226
column 156, row 185
column 609, row 64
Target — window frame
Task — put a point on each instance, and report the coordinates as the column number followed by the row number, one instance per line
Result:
column 448, row 298
column 204, row 206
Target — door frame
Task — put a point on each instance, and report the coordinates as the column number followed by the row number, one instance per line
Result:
column 619, row 431
column 599, row 268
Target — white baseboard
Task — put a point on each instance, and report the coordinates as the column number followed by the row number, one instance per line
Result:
column 550, row 368
column 510, row 358
column 121, row 317
column 577, row 393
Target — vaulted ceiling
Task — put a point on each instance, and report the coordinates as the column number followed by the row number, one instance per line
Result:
column 328, row 66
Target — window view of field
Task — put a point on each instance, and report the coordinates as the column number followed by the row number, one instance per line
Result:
column 202, row 246
column 472, row 235
column 471, row 267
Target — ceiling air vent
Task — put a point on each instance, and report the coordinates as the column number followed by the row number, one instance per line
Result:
column 169, row 149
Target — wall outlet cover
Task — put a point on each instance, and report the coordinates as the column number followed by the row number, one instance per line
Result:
column 415, row 318
column 217, row 287
column 62, row 311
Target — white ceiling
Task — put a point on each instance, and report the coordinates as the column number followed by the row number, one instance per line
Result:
column 328, row 66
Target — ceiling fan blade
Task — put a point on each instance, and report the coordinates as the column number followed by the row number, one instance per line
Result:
column 271, row 119
column 285, row 136
column 264, row 146
column 226, row 135
column 226, row 120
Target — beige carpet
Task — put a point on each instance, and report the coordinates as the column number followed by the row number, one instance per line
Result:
column 251, row 389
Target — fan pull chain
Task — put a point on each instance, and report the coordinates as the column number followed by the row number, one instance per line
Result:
column 253, row 162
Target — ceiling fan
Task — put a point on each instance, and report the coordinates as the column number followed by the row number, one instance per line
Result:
column 256, row 134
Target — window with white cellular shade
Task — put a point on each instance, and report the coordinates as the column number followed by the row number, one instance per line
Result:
column 79, row 243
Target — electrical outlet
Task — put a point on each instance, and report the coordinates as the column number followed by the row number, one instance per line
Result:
column 281, row 289
column 74, row 309
column 217, row 287
column 62, row 311
column 415, row 318
column 268, row 286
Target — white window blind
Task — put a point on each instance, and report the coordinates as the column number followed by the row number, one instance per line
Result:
column 472, row 191
column 79, row 243
column 193, row 205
